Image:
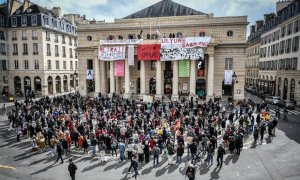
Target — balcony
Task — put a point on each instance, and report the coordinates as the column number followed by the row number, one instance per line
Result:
column 25, row 53
column 48, row 54
column 15, row 53
column 71, row 56
column 56, row 40
column 64, row 55
column 14, row 38
column 63, row 42
column 34, row 38
column 47, row 38
column 56, row 55
column 24, row 38
column 35, row 53
column 3, row 53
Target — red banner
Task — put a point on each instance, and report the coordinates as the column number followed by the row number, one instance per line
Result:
column 149, row 52
column 119, row 68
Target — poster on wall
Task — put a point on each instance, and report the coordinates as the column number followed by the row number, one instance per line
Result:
column 228, row 77
column 89, row 74
column 112, row 53
column 130, row 55
column 184, row 68
column 149, row 52
column 119, row 68
column 181, row 53
column 121, row 41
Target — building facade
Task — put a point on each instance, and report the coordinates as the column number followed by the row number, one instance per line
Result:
column 38, row 50
column 225, row 52
column 279, row 67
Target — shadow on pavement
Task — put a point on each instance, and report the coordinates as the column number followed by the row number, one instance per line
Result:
column 215, row 173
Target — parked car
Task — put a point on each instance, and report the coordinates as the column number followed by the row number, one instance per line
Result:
column 273, row 99
column 252, row 90
column 260, row 93
column 286, row 104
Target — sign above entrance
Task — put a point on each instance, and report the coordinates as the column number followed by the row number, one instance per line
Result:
column 149, row 52
column 121, row 41
column 112, row 53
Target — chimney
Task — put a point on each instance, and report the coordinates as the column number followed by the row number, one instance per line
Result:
column 269, row 17
column 259, row 25
column 56, row 11
column 282, row 4
column 252, row 29
column 26, row 5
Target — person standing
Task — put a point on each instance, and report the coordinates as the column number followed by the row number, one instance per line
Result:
column 146, row 151
column 156, row 152
column 94, row 144
column 170, row 153
column 221, row 152
column 72, row 169
column 122, row 150
column 262, row 132
column 19, row 131
column 59, row 152
column 180, row 151
column 190, row 172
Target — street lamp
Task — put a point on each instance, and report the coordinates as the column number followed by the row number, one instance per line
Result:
column 234, row 78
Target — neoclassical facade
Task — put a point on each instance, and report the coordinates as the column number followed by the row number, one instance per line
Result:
column 226, row 51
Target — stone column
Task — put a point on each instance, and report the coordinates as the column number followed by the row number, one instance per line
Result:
column 54, row 85
column 103, row 77
column 210, row 77
column 112, row 78
column 127, row 94
column 62, row 84
column 97, row 76
column 282, row 87
column 158, row 80
column 175, row 81
column 288, row 94
column 143, row 78
column 193, row 78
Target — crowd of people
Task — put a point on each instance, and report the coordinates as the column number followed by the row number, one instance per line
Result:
column 138, row 131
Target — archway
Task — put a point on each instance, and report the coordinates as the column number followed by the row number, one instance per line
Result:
column 65, row 81
column 50, row 85
column 27, row 84
column 152, row 86
column 17, row 85
column 58, row 84
column 285, row 88
column 292, row 92
column 37, row 84
column 279, row 86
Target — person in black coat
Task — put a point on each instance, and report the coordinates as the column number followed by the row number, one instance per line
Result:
column 59, row 152
column 85, row 145
column 220, row 154
column 146, row 151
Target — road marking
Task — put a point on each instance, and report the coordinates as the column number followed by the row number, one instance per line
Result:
column 7, row 167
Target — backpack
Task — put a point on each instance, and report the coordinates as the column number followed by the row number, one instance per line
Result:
column 156, row 151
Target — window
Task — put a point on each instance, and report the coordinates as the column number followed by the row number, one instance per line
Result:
column 5, row 79
column 33, row 20
column 289, row 29
column 282, row 31
column 75, row 52
column 24, row 20
column 282, row 43
column 63, row 39
column 89, row 64
column 57, row 65
column 46, row 20
column 15, row 49
column 70, row 41
column 288, row 45
column 64, row 51
column 296, row 26
column 56, row 38
column 25, row 49
column 26, row 64
column 89, row 38
column 16, row 64
column 229, row 33
column 14, row 22
column 24, row 35
column 47, row 36
column 2, row 49
column 153, row 65
column 34, row 35
column 295, row 44
column 14, row 35
column 71, row 65
column 35, row 48
column 36, row 64
column 71, row 52
column 76, row 64
column 54, row 22
column 64, row 65
column 48, row 50
column 49, row 65
column 3, row 65
column 2, row 22
column 228, row 63
column 294, row 63
column 56, row 51
column 2, row 35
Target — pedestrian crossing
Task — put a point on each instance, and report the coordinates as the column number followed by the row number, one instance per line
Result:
column 273, row 112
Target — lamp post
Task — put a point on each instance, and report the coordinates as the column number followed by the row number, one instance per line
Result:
column 234, row 78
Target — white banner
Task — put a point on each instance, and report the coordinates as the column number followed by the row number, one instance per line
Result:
column 188, row 42
column 89, row 74
column 112, row 53
column 181, row 53
column 228, row 77
column 131, row 55
column 121, row 41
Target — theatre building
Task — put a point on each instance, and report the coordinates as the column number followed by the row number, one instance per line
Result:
column 164, row 49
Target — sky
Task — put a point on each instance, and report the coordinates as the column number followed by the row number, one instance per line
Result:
column 109, row 10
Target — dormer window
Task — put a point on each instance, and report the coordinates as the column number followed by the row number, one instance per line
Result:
column 29, row 10
column 46, row 20
column 34, row 20
column 14, row 22
column 18, row 11
column 24, row 20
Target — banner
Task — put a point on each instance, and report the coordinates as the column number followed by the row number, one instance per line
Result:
column 131, row 55
column 149, row 52
column 228, row 77
column 181, row 53
column 121, row 41
column 89, row 74
column 119, row 68
column 184, row 68
column 112, row 53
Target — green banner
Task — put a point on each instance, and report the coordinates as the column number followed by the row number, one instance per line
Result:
column 184, row 68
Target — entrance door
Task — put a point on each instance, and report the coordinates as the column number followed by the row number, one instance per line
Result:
column 226, row 89
column 152, row 86
column 168, row 86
